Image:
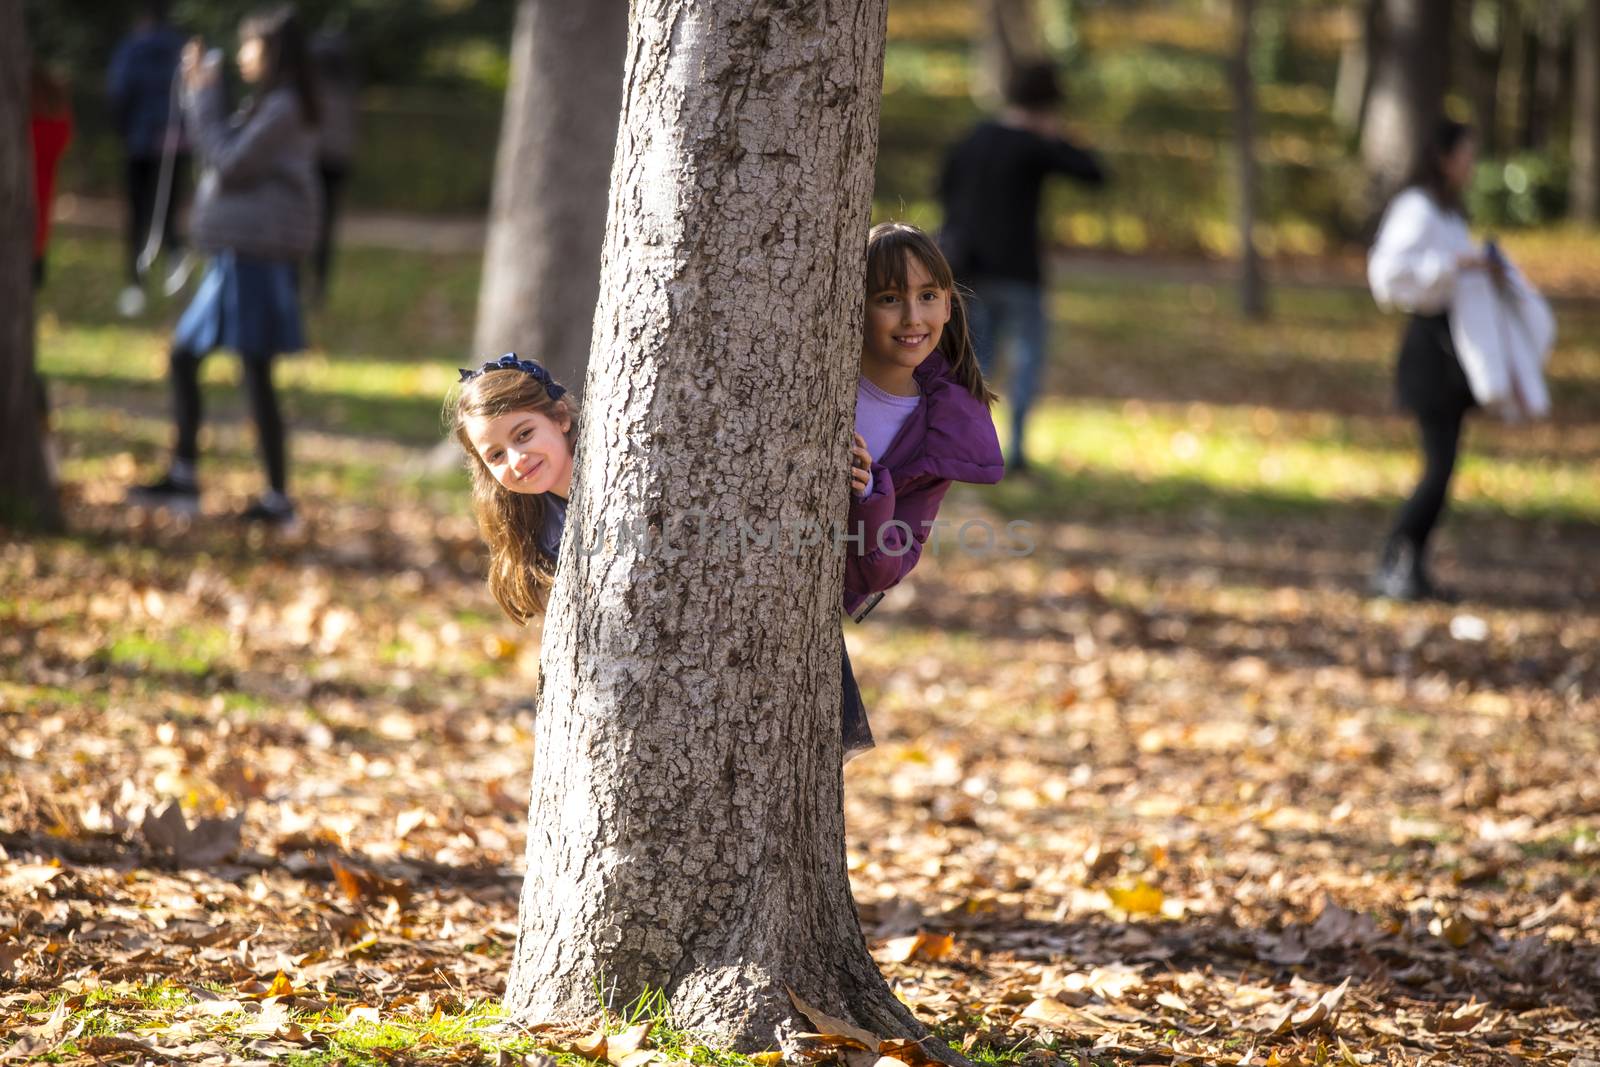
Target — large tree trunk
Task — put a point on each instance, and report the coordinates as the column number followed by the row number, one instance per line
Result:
column 27, row 496
column 541, row 264
column 1586, row 116
column 1252, row 284
column 686, row 824
column 1407, row 91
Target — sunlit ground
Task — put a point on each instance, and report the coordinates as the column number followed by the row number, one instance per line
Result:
column 1165, row 781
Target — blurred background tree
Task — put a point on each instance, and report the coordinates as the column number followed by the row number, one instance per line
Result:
column 1148, row 84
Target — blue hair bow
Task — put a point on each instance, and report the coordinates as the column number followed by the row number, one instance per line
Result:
column 509, row 361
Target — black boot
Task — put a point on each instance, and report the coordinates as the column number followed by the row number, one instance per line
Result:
column 1399, row 575
column 1402, row 574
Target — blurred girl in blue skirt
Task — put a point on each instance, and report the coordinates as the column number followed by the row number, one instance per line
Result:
column 255, row 214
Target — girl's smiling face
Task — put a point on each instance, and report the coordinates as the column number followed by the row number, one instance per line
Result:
column 251, row 58
column 525, row 451
column 904, row 324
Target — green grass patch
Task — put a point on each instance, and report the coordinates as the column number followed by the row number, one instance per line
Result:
column 196, row 651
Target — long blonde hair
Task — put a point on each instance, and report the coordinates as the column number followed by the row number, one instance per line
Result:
column 520, row 574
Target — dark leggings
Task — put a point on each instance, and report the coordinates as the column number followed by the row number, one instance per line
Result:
column 854, row 730
column 1441, row 438
column 185, row 369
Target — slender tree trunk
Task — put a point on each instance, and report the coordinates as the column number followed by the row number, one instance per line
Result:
column 686, row 825
column 1586, row 116
column 1549, row 88
column 1407, row 91
column 1252, row 283
column 1529, row 125
column 541, row 264
column 1010, row 38
column 1513, row 48
column 1483, row 43
column 1353, row 83
column 27, row 496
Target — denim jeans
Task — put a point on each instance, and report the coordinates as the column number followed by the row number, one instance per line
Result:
column 1003, row 309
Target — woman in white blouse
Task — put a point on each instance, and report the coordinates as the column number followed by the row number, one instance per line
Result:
column 1423, row 247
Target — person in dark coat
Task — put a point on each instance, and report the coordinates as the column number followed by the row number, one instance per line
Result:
column 339, row 87
column 990, row 188
column 141, row 88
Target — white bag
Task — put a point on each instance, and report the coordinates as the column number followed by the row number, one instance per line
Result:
column 1503, row 334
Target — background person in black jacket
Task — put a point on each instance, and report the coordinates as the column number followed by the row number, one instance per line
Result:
column 990, row 186
column 139, row 84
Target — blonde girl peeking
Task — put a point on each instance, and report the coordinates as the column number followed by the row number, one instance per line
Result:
column 518, row 425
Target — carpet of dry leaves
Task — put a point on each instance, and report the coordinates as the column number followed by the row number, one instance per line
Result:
column 1169, row 790
column 1162, row 792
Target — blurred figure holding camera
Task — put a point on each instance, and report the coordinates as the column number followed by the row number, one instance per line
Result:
column 256, row 216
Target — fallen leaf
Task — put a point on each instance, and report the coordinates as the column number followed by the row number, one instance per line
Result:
column 1456, row 931
column 826, row 1025
column 1464, row 1018
column 1140, row 899
column 207, row 842
column 920, row 946
column 1319, row 1013
column 620, row 1047
column 1173, row 1001
column 1050, row 1012
column 41, row 1038
column 365, row 887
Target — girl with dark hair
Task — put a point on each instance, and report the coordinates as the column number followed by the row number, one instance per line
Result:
column 255, row 214
column 1422, row 249
column 922, row 422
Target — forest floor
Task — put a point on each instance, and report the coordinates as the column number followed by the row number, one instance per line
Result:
column 1170, row 789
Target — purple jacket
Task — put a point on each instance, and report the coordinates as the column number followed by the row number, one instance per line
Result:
column 949, row 438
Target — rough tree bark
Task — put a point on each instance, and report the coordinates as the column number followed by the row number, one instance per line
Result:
column 27, row 496
column 686, row 823
column 1586, row 116
column 1408, row 83
column 541, row 262
column 1252, row 282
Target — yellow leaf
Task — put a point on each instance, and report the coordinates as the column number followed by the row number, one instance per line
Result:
column 920, row 946
column 768, row 1059
column 1140, row 899
column 497, row 647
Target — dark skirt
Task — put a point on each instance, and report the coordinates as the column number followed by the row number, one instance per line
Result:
column 1428, row 378
column 249, row 305
column 856, row 732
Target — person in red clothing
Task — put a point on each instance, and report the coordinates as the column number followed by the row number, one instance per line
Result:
column 50, row 130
